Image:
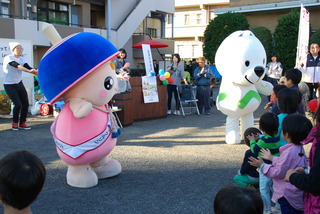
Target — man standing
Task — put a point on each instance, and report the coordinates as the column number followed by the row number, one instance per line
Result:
column 311, row 70
column 156, row 67
column 202, row 76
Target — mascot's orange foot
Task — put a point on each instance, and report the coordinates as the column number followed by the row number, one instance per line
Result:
column 81, row 176
column 106, row 168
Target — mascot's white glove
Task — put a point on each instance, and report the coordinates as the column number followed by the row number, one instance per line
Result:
column 264, row 87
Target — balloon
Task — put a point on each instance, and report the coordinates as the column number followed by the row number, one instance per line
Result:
column 161, row 72
column 313, row 105
column 170, row 80
column 162, row 77
column 152, row 73
column 167, row 75
column 165, row 82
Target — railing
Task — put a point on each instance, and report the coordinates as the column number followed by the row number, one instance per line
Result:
column 123, row 21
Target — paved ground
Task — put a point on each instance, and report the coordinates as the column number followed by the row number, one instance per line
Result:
column 171, row 165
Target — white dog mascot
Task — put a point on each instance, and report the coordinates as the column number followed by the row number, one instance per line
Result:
column 241, row 60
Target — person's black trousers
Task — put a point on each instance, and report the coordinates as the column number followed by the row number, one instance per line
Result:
column 203, row 96
column 18, row 95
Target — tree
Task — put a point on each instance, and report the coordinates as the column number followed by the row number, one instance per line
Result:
column 286, row 39
column 265, row 37
column 218, row 29
column 315, row 37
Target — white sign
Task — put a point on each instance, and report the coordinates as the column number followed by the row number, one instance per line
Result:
column 148, row 62
column 28, row 79
column 303, row 38
column 149, row 89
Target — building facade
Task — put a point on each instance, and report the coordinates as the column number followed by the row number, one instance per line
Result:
column 267, row 12
column 190, row 20
column 123, row 22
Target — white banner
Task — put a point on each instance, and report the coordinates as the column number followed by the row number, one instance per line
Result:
column 148, row 62
column 303, row 38
column 149, row 89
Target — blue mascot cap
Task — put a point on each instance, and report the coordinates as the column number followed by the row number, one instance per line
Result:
column 69, row 61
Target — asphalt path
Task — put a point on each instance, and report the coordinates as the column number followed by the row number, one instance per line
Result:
column 171, row 165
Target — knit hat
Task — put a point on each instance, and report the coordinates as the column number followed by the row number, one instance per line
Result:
column 13, row 45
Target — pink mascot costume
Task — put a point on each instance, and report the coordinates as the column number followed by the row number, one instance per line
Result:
column 79, row 70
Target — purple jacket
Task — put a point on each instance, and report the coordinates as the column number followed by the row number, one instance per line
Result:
column 310, row 183
column 290, row 158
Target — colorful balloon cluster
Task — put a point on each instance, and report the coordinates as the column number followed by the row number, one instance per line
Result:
column 164, row 76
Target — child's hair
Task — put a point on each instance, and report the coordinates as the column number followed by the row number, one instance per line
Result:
column 269, row 123
column 22, row 175
column 294, row 75
column 249, row 131
column 297, row 127
column 238, row 200
column 277, row 88
column 288, row 100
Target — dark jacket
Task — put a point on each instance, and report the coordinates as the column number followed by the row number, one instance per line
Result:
column 246, row 168
column 203, row 79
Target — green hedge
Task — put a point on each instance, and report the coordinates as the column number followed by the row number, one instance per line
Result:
column 286, row 39
column 265, row 37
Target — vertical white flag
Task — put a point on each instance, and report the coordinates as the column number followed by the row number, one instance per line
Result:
column 148, row 62
column 303, row 38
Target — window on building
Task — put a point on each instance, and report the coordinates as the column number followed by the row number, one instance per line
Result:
column 199, row 21
column 53, row 12
column 5, row 8
column 74, row 14
column 152, row 32
column 186, row 19
column 31, row 9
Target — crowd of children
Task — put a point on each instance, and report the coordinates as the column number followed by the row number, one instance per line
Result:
column 289, row 182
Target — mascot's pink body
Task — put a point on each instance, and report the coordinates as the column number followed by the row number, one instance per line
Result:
column 76, row 132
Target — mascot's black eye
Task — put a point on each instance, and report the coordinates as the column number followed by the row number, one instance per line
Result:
column 247, row 63
column 108, row 83
column 264, row 60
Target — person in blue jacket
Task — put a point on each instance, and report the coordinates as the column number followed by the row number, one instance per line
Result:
column 202, row 76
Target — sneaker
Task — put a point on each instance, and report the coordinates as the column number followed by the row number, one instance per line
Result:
column 169, row 112
column 24, row 126
column 176, row 112
column 15, row 126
